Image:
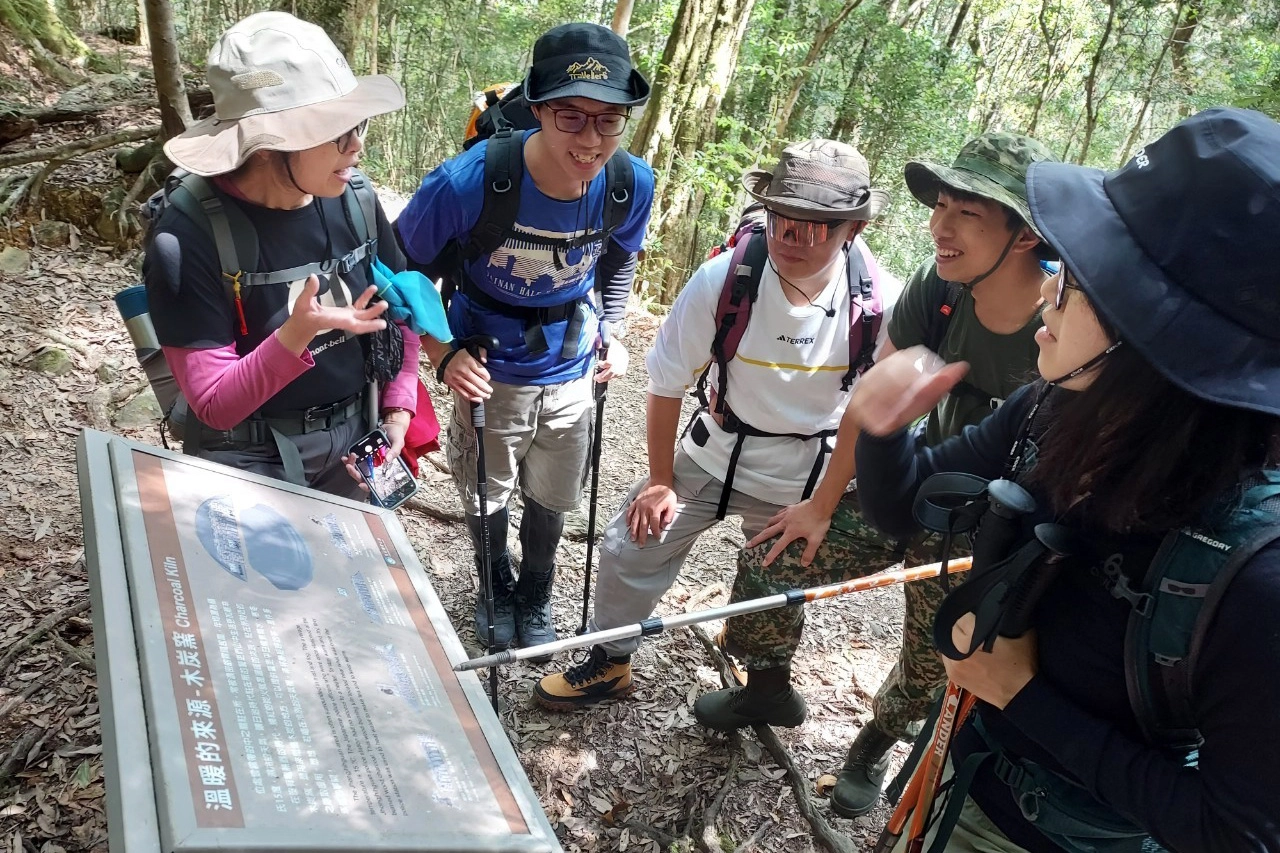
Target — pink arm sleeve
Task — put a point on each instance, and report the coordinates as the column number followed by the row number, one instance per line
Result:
column 402, row 392
column 224, row 389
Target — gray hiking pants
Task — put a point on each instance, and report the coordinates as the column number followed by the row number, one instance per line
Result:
column 633, row 579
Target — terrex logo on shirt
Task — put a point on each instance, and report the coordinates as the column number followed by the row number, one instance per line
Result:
column 799, row 342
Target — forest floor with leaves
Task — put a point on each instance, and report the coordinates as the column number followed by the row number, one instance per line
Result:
column 639, row 774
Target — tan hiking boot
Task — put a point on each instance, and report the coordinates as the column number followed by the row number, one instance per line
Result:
column 597, row 678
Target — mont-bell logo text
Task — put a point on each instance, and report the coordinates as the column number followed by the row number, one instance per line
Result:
column 588, row 69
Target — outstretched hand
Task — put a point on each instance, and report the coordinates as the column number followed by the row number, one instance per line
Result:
column 798, row 521
column 902, row 387
column 309, row 317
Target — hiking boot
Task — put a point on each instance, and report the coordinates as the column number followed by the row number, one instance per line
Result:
column 504, row 605
column 861, row 779
column 595, row 679
column 504, row 621
column 767, row 699
column 534, row 624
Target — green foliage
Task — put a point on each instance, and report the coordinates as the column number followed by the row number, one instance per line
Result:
column 901, row 80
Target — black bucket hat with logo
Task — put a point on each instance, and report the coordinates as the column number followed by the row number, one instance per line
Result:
column 1174, row 249
column 582, row 60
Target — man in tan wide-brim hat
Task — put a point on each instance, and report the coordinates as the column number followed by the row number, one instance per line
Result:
column 278, row 84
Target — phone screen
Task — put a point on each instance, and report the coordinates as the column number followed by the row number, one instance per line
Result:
column 388, row 478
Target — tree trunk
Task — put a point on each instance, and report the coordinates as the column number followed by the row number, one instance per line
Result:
column 1149, row 89
column 622, row 17
column 845, row 127
column 958, row 26
column 696, row 69
column 144, row 37
column 175, row 112
column 1180, row 39
column 1092, row 100
column 37, row 25
column 783, row 118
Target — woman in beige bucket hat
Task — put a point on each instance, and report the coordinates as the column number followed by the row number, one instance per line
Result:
column 259, row 265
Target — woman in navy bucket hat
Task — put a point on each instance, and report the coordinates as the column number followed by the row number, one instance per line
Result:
column 1139, row 712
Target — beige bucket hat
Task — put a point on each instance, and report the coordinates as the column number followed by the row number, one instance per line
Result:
column 820, row 178
column 279, row 83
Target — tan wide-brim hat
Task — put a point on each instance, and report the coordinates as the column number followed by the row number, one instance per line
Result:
column 818, row 179
column 280, row 84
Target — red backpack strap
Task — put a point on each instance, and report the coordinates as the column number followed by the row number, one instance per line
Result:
column 733, row 310
column 865, row 315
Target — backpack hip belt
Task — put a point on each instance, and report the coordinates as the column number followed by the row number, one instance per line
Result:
column 533, row 319
column 258, row 430
column 729, row 422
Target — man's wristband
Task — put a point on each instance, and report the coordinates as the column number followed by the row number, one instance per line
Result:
column 444, row 362
column 391, row 410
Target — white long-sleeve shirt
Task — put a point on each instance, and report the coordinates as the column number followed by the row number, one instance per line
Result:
column 785, row 377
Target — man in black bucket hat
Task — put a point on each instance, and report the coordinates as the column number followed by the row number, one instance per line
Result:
column 1137, row 709
column 575, row 225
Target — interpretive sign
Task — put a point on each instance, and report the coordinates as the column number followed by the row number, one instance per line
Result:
column 276, row 673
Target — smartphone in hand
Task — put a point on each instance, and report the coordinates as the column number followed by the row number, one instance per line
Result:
column 388, row 479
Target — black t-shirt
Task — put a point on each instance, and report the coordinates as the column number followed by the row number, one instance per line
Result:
column 191, row 306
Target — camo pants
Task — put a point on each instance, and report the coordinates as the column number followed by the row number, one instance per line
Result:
column 851, row 549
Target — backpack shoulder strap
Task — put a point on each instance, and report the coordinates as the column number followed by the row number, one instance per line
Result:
column 360, row 201
column 733, row 310
column 503, row 172
column 940, row 319
column 864, row 323
column 619, row 180
column 233, row 236
column 1171, row 616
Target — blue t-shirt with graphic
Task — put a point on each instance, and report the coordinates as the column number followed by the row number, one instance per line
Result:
column 525, row 270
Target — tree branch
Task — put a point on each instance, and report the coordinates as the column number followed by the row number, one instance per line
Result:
column 74, row 149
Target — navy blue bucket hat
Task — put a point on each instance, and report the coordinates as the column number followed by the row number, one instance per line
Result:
column 1175, row 249
column 584, row 61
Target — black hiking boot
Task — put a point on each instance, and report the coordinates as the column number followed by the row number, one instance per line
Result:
column 767, row 699
column 534, row 623
column 861, row 779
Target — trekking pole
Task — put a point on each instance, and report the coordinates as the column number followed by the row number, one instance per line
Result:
column 656, row 625
column 1000, row 528
column 473, row 346
column 601, row 391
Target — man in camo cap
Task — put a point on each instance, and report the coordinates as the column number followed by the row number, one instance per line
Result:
column 976, row 300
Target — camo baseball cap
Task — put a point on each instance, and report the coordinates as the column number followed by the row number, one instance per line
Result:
column 993, row 166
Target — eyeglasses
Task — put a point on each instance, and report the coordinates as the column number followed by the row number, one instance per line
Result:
column 799, row 232
column 1066, row 281
column 347, row 141
column 576, row 121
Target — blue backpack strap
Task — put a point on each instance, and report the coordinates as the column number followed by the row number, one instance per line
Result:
column 1176, row 605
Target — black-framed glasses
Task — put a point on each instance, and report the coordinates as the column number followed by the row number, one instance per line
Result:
column 1066, row 281
column 575, row 121
column 799, row 232
column 347, row 141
